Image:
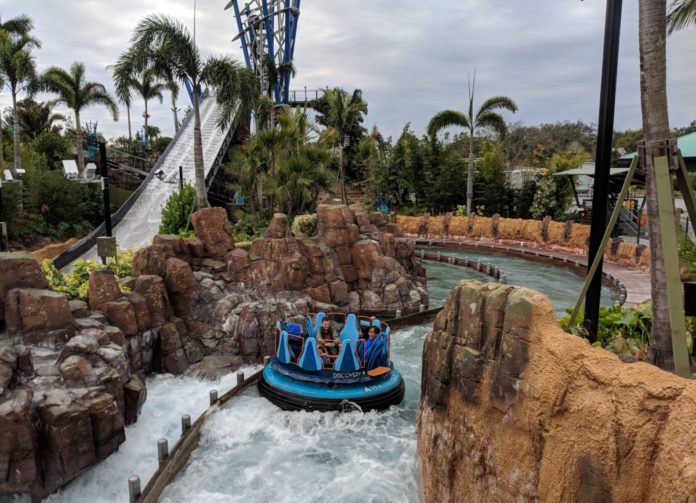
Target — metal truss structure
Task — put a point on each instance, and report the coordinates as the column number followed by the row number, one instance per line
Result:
column 267, row 30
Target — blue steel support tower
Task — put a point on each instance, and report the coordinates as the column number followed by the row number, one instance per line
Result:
column 268, row 28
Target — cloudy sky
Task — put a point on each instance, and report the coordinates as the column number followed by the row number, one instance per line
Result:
column 411, row 58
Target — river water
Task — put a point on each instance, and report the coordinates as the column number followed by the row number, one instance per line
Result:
column 252, row 451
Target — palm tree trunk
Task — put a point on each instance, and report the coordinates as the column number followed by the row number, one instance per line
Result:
column 176, row 117
column 199, row 169
column 78, row 141
column 2, row 146
column 342, row 175
column 146, row 135
column 470, row 175
column 653, row 83
column 17, row 151
column 130, row 133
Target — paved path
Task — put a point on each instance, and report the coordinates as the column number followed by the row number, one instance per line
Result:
column 637, row 283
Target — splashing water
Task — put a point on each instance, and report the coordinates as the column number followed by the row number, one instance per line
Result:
column 253, row 451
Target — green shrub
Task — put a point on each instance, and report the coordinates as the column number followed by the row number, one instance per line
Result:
column 52, row 146
column 177, row 211
column 305, row 224
column 76, row 282
column 623, row 330
column 545, row 201
column 412, row 211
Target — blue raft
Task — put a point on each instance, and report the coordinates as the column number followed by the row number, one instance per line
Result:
column 302, row 375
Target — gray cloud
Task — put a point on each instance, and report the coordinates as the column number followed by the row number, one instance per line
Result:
column 411, row 58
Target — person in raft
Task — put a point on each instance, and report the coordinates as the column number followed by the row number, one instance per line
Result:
column 327, row 337
column 366, row 345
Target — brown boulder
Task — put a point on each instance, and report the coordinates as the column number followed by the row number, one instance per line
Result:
column 76, row 370
column 142, row 312
column 153, row 290
column 365, row 254
column 134, row 395
column 34, row 310
column 152, row 260
column 103, row 287
column 330, row 216
column 571, row 422
column 8, row 364
column 179, row 276
column 195, row 247
column 238, row 264
column 279, row 227
column 121, row 314
column 19, row 464
column 18, row 270
column 212, row 228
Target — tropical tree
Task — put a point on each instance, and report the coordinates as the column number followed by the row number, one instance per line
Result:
column 75, row 92
column 18, row 25
column 18, row 71
column 653, row 84
column 122, row 73
column 487, row 117
column 149, row 87
column 682, row 13
column 342, row 113
column 162, row 42
column 35, row 118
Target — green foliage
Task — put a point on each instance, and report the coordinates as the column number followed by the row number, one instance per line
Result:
column 545, row 200
column 305, row 224
column 248, row 228
column 76, row 283
column 687, row 253
column 53, row 146
column 160, row 144
column 523, row 199
column 177, row 211
column 624, row 331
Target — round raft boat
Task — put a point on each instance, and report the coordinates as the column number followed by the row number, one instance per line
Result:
column 305, row 375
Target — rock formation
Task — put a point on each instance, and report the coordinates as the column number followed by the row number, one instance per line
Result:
column 72, row 373
column 514, row 409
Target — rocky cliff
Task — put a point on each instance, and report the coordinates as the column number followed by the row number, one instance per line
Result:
column 72, row 373
column 514, row 409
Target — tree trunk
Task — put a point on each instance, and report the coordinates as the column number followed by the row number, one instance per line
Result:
column 130, row 133
column 146, row 132
column 653, row 85
column 17, row 150
column 176, row 116
column 78, row 141
column 2, row 148
column 199, row 168
column 470, row 175
column 342, row 175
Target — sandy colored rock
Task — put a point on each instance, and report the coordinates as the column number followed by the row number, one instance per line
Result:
column 212, row 228
column 35, row 310
column 514, row 409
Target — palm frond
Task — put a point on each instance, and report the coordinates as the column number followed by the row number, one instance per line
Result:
column 497, row 103
column 681, row 13
column 445, row 119
column 18, row 25
column 492, row 121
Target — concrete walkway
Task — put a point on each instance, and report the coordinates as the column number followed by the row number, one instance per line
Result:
column 636, row 283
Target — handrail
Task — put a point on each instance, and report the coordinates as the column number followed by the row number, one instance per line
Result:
column 90, row 240
column 175, row 459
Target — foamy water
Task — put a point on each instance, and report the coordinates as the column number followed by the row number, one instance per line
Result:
column 253, row 451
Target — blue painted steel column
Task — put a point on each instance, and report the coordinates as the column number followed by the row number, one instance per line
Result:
column 286, row 50
column 240, row 27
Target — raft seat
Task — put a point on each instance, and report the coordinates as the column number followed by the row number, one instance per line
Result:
column 347, row 359
column 350, row 329
column 310, row 359
column 283, row 353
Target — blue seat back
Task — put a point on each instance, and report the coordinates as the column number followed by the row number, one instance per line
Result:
column 377, row 354
column 350, row 329
column 347, row 361
column 283, row 352
column 378, row 324
column 309, row 324
column 310, row 359
column 317, row 323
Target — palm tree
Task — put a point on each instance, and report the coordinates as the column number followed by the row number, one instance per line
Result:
column 486, row 118
column 682, row 13
column 19, row 25
column 147, row 85
column 18, row 70
column 77, row 94
column 35, row 118
column 653, row 84
column 122, row 73
column 343, row 112
column 163, row 42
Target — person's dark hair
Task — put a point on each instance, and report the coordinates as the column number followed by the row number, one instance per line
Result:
column 373, row 328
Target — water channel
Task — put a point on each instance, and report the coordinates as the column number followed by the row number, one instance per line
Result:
column 253, row 451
